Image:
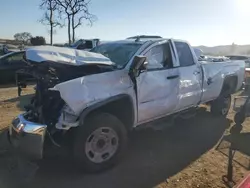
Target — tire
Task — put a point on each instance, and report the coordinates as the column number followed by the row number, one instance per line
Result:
column 99, row 143
column 221, row 106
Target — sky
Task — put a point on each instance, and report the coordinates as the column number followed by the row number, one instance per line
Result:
column 201, row 22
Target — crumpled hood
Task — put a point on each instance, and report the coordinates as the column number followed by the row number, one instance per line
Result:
column 63, row 55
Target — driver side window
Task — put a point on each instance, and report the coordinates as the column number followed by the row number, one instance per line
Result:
column 159, row 57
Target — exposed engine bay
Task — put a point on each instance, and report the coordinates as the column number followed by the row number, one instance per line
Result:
column 67, row 81
column 47, row 106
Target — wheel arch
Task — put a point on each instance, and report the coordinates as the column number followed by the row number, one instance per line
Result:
column 230, row 84
column 120, row 106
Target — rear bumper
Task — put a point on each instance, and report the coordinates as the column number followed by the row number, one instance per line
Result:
column 27, row 138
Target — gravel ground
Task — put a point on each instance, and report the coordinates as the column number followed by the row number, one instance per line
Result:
column 193, row 153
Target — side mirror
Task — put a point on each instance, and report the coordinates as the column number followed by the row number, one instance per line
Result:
column 139, row 63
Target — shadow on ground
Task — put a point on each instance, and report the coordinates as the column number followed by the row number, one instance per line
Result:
column 152, row 157
column 238, row 143
column 235, row 147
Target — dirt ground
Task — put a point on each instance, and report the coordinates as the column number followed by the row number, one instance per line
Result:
column 193, row 153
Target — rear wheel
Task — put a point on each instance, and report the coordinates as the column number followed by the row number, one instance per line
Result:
column 100, row 142
column 221, row 106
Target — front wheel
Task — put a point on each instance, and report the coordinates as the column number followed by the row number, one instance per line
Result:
column 221, row 106
column 99, row 143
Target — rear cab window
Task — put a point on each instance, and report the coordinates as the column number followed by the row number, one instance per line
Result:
column 184, row 53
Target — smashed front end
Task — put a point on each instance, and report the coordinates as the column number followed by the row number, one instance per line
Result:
column 38, row 126
column 28, row 131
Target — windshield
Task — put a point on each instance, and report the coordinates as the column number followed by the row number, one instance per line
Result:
column 119, row 53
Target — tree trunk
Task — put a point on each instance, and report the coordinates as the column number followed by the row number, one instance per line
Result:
column 51, row 24
column 73, row 28
column 51, row 35
column 69, row 35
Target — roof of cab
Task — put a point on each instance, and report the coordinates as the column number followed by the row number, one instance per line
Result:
column 126, row 41
column 132, row 41
column 142, row 41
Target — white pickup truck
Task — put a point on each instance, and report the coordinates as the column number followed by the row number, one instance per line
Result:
column 90, row 101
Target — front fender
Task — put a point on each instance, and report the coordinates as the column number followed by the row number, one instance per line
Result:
column 80, row 93
column 103, row 103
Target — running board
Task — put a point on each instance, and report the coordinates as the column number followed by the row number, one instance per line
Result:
column 168, row 121
column 187, row 114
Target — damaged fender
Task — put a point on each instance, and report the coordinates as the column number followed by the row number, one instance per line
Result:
column 81, row 93
column 103, row 103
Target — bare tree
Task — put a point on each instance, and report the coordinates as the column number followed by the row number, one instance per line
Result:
column 23, row 37
column 76, row 11
column 65, row 8
column 80, row 12
column 49, row 18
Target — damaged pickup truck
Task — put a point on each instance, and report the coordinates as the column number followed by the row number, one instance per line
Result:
column 89, row 101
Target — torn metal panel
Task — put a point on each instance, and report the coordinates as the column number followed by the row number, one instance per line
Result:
column 67, row 119
column 82, row 92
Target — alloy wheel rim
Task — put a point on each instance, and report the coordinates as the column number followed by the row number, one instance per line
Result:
column 101, row 145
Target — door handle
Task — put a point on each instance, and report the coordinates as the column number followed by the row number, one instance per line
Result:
column 172, row 77
column 196, row 72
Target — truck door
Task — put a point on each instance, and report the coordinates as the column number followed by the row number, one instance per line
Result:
column 190, row 87
column 158, row 85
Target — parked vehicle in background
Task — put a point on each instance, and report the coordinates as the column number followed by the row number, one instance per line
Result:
column 95, row 98
column 213, row 58
column 145, row 37
column 85, row 44
column 246, row 59
column 9, row 64
column 7, row 48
